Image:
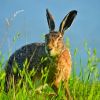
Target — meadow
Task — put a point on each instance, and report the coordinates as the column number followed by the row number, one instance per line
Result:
column 84, row 85
column 84, row 82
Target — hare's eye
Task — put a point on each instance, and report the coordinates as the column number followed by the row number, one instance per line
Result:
column 55, row 36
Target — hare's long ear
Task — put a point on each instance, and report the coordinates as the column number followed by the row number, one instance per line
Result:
column 67, row 21
column 50, row 21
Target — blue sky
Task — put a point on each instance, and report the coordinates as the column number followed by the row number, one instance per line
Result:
column 28, row 18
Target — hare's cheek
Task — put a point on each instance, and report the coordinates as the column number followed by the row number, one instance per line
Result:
column 60, row 44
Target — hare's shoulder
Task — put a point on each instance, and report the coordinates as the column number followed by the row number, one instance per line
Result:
column 33, row 50
column 30, row 48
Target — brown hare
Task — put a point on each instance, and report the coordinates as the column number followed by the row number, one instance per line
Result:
column 53, row 47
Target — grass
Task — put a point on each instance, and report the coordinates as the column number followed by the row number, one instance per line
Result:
column 85, row 86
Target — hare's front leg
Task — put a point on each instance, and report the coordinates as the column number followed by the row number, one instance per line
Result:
column 67, row 91
column 56, row 85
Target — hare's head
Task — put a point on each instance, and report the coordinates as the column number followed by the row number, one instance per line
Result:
column 54, row 40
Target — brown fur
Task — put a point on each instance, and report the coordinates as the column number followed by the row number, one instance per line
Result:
column 63, row 67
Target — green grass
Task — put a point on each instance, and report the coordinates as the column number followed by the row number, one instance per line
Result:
column 83, row 86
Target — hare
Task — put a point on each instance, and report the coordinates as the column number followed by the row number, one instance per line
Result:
column 53, row 47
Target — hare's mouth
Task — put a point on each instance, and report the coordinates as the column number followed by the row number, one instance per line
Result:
column 52, row 52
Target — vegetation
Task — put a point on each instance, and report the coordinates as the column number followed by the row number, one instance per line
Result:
column 83, row 86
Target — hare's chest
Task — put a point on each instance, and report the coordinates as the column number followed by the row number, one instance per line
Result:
column 64, row 65
column 60, row 68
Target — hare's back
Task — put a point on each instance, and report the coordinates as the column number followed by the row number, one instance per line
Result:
column 31, row 52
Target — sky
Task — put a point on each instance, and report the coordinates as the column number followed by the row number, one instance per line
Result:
column 24, row 21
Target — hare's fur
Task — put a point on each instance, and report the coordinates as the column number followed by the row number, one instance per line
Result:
column 52, row 48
